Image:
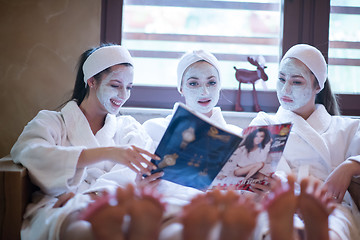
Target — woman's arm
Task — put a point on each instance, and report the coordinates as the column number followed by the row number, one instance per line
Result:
column 339, row 180
column 44, row 150
column 128, row 155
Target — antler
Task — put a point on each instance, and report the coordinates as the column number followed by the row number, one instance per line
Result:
column 258, row 62
column 253, row 61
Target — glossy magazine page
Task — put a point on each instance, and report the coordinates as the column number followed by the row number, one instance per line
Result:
column 255, row 159
column 193, row 150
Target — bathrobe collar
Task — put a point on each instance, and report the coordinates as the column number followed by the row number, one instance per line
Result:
column 310, row 130
column 79, row 131
column 216, row 116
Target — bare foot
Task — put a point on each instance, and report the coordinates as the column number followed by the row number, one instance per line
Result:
column 106, row 220
column 238, row 218
column 199, row 217
column 315, row 207
column 237, row 214
column 146, row 213
column 281, row 204
column 106, row 215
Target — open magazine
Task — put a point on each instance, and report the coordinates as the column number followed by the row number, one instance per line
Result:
column 255, row 159
column 194, row 150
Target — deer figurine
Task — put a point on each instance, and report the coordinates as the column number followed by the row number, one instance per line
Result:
column 248, row 76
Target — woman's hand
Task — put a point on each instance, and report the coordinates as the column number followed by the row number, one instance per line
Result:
column 63, row 199
column 339, row 180
column 128, row 155
column 262, row 190
column 132, row 157
column 151, row 180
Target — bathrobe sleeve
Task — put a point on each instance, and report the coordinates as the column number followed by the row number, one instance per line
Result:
column 156, row 128
column 44, row 150
column 353, row 151
column 132, row 132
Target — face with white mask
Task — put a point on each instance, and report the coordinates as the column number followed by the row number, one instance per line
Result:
column 295, row 87
column 114, row 88
column 201, row 87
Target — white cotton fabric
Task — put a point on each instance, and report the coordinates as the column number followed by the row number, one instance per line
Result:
column 103, row 58
column 315, row 147
column 192, row 57
column 49, row 147
column 312, row 58
column 156, row 127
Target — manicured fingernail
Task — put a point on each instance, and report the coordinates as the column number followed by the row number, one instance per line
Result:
column 158, row 158
column 154, row 167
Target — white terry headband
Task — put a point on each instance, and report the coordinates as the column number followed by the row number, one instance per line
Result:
column 103, row 58
column 192, row 57
column 312, row 58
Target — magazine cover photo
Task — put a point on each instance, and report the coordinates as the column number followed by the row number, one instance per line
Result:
column 255, row 159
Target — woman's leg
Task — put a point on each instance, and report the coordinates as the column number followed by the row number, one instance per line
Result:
column 248, row 170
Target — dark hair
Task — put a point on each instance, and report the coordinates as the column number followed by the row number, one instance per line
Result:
column 249, row 140
column 327, row 98
column 80, row 91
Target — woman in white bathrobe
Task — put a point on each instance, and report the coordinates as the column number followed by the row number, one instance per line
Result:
column 199, row 82
column 320, row 144
column 70, row 150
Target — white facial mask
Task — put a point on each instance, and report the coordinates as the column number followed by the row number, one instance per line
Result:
column 201, row 87
column 114, row 89
column 295, row 86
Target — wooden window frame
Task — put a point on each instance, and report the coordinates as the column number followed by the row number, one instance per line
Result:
column 303, row 21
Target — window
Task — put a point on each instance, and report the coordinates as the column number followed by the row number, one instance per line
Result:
column 231, row 30
column 344, row 49
column 157, row 32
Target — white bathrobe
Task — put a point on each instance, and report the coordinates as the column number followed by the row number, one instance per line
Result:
column 315, row 147
column 49, row 147
column 156, row 127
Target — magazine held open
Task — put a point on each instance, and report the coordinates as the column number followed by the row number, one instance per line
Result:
column 197, row 153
